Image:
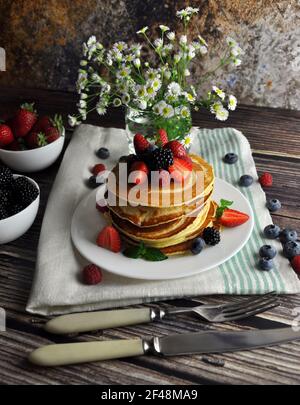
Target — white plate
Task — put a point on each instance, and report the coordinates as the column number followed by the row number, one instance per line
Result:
column 87, row 222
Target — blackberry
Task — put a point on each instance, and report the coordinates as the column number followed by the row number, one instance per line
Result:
column 161, row 159
column 24, row 191
column 211, row 236
column 3, row 213
column 5, row 196
column 15, row 209
column 6, row 176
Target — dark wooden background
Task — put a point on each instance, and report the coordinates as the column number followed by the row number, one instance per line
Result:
column 274, row 136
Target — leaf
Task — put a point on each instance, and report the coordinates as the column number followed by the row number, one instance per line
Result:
column 134, row 252
column 223, row 205
column 154, row 255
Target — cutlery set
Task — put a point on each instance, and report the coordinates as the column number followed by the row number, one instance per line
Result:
column 191, row 343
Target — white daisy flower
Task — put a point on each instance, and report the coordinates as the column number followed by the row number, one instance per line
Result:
column 81, row 104
column 236, row 51
column 222, row 114
column 220, row 93
column 157, row 108
column 137, row 63
column 150, row 91
column 140, row 91
column 142, row 31
column 183, row 40
column 164, row 28
column 158, row 43
column 187, row 140
column 183, row 111
column 124, row 72
column 156, row 84
column 136, row 49
column 174, row 89
column 83, row 96
column 171, row 36
column 100, row 108
column 152, row 74
column 236, row 62
column 91, row 41
column 232, row 102
column 117, row 102
column 167, row 111
column 215, row 107
column 186, row 72
column 189, row 97
column 125, row 98
column 203, row 50
column 231, row 42
column 73, row 121
column 120, row 46
column 130, row 57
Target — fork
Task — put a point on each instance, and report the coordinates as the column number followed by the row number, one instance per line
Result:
column 92, row 321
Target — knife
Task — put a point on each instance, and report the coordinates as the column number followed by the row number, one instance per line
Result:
column 173, row 345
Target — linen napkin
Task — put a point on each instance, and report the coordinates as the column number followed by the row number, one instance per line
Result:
column 57, row 288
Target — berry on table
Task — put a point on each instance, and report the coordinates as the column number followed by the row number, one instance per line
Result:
column 3, row 212
column 266, row 180
column 91, row 274
column 231, row 158
column 246, row 180
column 211, row 236
column 295, row 262
column 197, row 246
column 24, row 191
column 267, row 251
column 273, row 204
column 291, row 249
column 272, row 231
column 288, row 234
column 16, row 208
column 100, row 167
column 266, row 264
column 94, row 182
column 103, row 153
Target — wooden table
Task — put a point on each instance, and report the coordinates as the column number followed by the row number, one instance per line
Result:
column 275, row 139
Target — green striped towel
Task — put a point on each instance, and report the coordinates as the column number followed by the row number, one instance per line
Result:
column 57, row 288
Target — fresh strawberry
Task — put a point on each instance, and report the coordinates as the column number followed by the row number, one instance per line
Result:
column 52, row 134
column 109, row 238
column 231, row 218
column 99, row 168
column 177, row 149
column 163, row 136
column 92, row 274
column 6, row 135
column 140, row 170
column 181, row 169
column 24, row 120
column 42, row 124
column 266, row 180
column 36, row 140
column 140, row 143
column 295, row 262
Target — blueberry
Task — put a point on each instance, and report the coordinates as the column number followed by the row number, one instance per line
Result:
column 273, row 205
column 94, row 182
column 230, row 158
column 103, row 153
column 197, row 246
column 291, row 249
column 267, row 251
column 288, row 234
column 246, row 180
column 272, row 231
column 266, row 264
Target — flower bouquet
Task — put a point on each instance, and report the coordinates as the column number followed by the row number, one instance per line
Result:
column 157, row 92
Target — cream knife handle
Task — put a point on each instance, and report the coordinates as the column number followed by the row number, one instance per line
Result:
column 74, row 353
column 91, row 321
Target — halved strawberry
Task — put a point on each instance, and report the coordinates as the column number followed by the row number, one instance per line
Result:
column 109, row 238
column 181, row 169
column 231, row 218
column 177, row 149
column 163, row 136
column 140, row 143
column 140, row 170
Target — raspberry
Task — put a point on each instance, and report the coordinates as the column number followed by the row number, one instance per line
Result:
column 295, row 262
column 266, row 180
column 92, row 274
column 98, row 169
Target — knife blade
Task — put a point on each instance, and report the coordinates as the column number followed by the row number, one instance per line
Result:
column 181, row 344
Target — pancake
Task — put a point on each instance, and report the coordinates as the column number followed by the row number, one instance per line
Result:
column 199, row 184
column 150, row 216
column 169, row 234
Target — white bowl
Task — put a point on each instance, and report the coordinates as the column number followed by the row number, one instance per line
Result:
column 15, row 226
column 33, row 160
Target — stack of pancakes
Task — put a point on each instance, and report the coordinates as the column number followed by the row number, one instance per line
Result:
column 170, row 228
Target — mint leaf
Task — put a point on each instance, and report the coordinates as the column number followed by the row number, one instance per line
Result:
column 154, row 255
column 134, row 252
column 223, row 205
